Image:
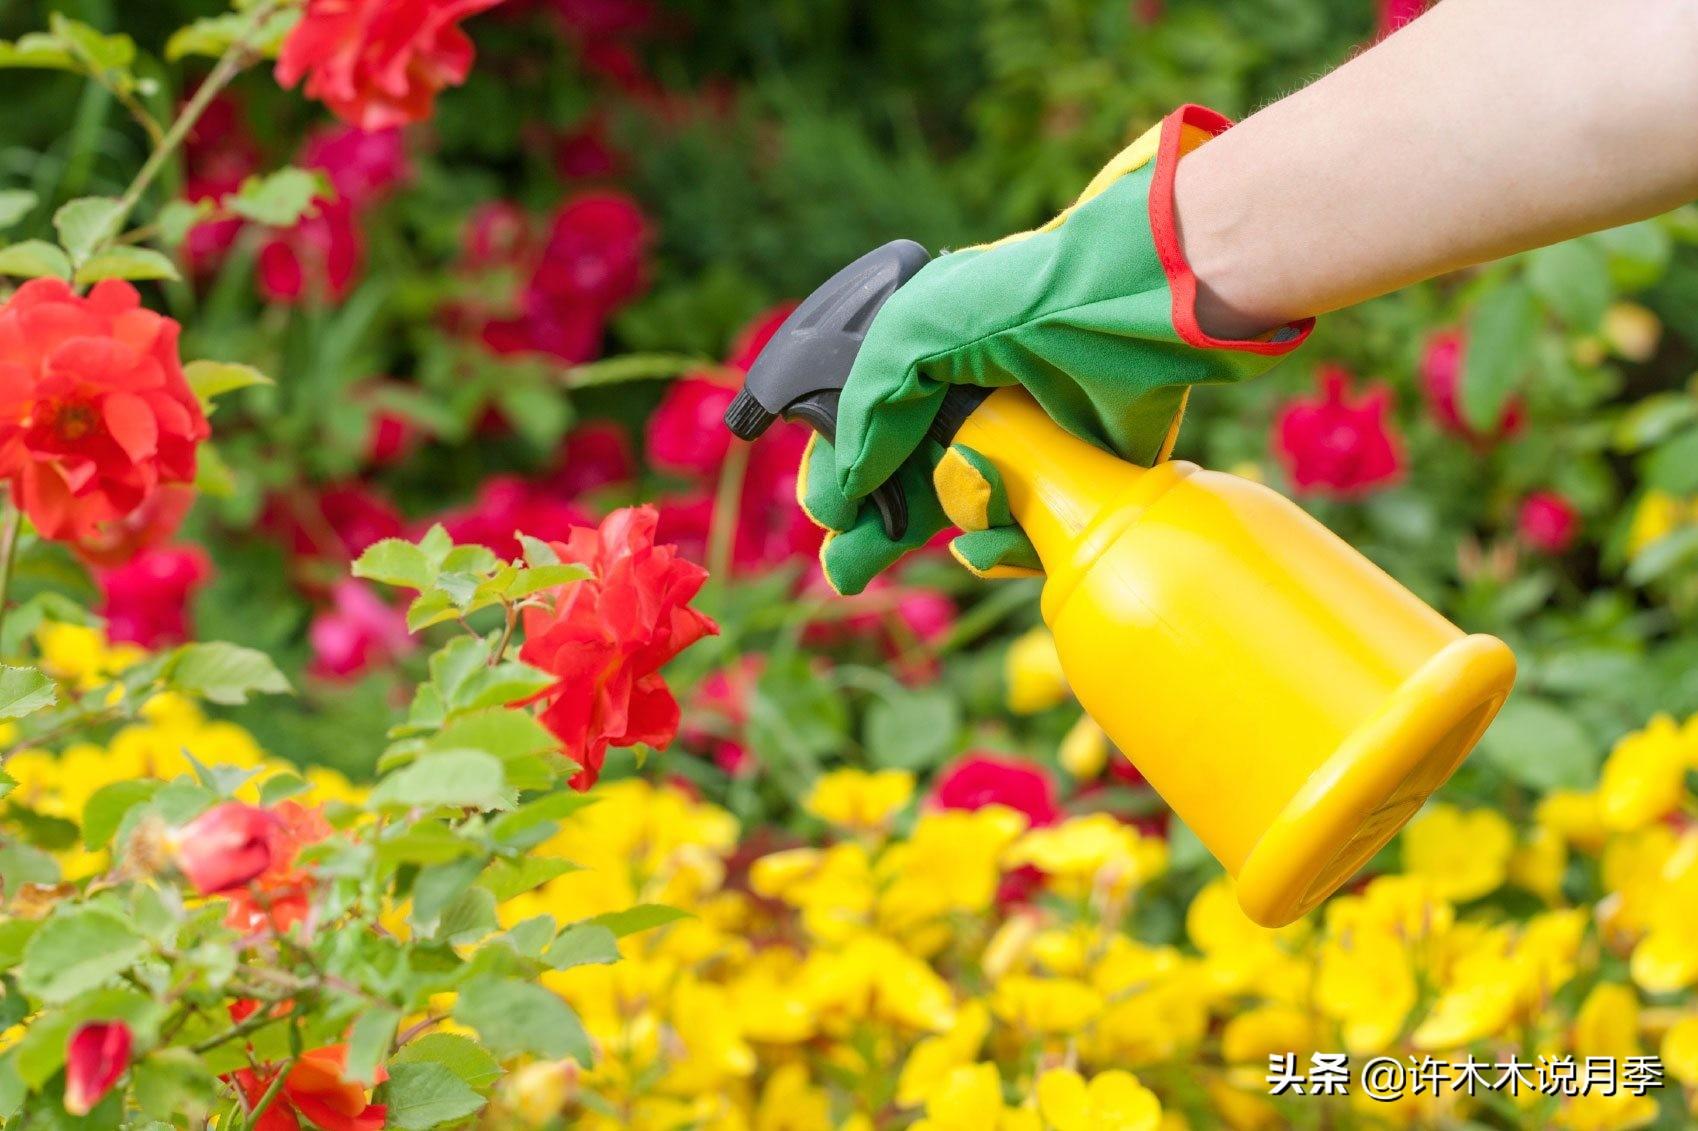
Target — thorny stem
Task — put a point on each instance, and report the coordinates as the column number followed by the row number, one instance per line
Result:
column 229, row 65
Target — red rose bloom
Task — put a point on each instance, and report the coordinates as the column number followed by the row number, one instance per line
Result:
column 507, row 506
column 226, row 847
column 1548, row 522
column 593, row 252
column 280, row 895
column 363, row 165
column 315, row 1090
column 95, row 414
column 595, row 456
column 1441, row 384
column 152, row 523
column 977, row 780
column 379, row 63
column 145, row 601
column 96, row 1055
column 316, row 260
column 605, row 638
column 686, row 433
column 1336, row 444
column 357, row 633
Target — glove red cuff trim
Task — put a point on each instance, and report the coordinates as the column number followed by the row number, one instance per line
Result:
column 1181, row 281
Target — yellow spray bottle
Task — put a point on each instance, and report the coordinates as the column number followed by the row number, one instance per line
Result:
column 1292, row 702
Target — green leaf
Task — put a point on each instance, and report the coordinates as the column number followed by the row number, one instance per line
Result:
column 85, row 223
column 545, row 812
column 424, row 842
column 469, row 919
column 178, row 217
column 422, row 1094
column 469, row 778
column 38, row 49
column 212, row 475
column 1672, row 465
column 1678, row 550
column 433, row 607
column 281, row 787
column 1653, row 419
column 505, row 879
column 280, row 199
column 14, row 935
column 515, row 737
column 126, row 263
column 224, row 673
column 368, row 1042
column 107, row 52
column 109, row 805
column 537, row 552
column 34, row 259
column 15, row 204
column 910, row 730
column 513, row 1018
column 1500, row 350
column 437, row 887
column 583, row 944
column 1538, row 744
column 211, row 36
column 212, row 379
column 1573, row 279
column 642, row 917
column 396, row 561
column 525, row 582
column 23, row 691
column 461, row 1055
column 76, row 950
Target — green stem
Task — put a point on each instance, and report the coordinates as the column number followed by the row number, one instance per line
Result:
column 8, row 550
column 722, row 534
column 229, row 65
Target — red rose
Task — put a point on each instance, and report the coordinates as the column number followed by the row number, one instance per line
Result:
column 1548, row 522
column 379, row 63
column 280, row 895
column 978, row 779
column 335, row 523
column 605, row 638
column 363, row 165
column 507, row 506
column 357, row 633
column 593, row 252
column 316, row 260
column 686, row 433
column 145, row 601
column 316, row 1090
column 156, row 520
column 96, row 1055
column 95, row 414
column 226, row 847
column 1336, row 444
column 1441, row 384
column 595, row 455
column 585, row 153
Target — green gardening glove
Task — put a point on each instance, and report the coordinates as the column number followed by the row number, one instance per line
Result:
column 1092, row 313
column 943, row 486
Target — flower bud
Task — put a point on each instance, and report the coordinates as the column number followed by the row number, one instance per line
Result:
column 226, row 847
column 1035, row 679
column 97, row 1054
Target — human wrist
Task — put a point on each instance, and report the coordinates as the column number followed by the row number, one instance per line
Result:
column 1215, row 236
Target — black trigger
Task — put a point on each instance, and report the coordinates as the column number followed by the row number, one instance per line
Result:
column 892, row 507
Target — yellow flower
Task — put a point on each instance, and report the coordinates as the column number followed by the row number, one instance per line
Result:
column 1253, row 1035
column 1463, row 854
column 947, row 865
column 1574, row 816
column 1045, row 1005
column 1238, row 952
column 1539, row 863
column 1644, row 778
column 538, row 1092
column 1404, row 906
column 928, row 1067
column 80, row 654
column 1112, row 1101
column 1033, row 668
column 1083, row 852
column 1680, row 1051
column 1084, row 749
column 1368, row 985
column 1595, row 1111
column 1666, row 959
column 1608, row 1022
column 1658, row 515
column 833, row 887
column 856, row 799
column 791, row 1102
column 768, row 1002
column 872, row 977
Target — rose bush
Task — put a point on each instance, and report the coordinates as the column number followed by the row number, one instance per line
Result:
column 416, row 712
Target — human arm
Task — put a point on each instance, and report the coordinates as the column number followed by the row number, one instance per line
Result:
column 1484, row 128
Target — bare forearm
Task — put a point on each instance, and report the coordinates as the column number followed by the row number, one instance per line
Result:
column 1484, row 128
